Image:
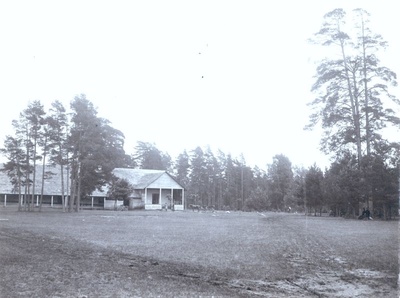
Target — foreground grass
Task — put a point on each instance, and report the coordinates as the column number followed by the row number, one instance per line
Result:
column 248, row 254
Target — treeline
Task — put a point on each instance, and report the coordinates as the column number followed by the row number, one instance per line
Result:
column 224, row 182
column 89, row 149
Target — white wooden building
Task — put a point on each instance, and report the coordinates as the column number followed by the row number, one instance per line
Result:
column 153, row 189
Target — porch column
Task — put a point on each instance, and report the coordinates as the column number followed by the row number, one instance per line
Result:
column 92, row 202
column 145, row 197
column 5, row 200
column 51, row 202
column 160, row 200
column 37, row 201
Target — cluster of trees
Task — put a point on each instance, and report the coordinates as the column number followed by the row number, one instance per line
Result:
column 222, row 181
column 89, row 148
column 226, row 182
column 353, row 90
column 80, row 142
column 352, row 105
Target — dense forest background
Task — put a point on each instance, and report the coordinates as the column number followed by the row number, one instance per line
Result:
column 352, row 103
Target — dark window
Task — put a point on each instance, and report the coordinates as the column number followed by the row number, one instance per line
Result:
column 155, row 198
column 177, row 196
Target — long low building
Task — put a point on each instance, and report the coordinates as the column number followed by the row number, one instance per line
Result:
column 153, row 189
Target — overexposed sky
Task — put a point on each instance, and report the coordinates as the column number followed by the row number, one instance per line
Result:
column 234, row 75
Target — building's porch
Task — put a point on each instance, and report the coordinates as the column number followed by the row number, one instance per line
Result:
column 158, row 199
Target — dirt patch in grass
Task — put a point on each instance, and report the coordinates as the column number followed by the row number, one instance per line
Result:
column 191, row 254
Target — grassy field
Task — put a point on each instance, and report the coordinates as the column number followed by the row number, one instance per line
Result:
column 195, row 254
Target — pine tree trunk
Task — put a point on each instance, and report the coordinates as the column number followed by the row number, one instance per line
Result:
column 27, row 182
column 34, row 177
column 357, row 119
column 366, row 105
column 68, row 196
column 19, row 189
column 366, row 96
column 62, row 187
column 72, row 193
column 42, row 189
column 78, row 197
column 354, row 108
column 27, row 191
column 384, row 211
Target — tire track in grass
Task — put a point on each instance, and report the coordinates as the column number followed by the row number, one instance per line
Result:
column 313, row 268
column 333, row 275
column 294, row 260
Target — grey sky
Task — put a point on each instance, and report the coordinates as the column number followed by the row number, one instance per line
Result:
column 235, row 75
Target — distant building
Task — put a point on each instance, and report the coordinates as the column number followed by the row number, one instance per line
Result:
column 153, row 189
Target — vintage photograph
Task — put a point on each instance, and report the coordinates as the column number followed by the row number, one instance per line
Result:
column 199, row 148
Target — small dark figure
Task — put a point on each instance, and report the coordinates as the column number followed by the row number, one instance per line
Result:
column 367, row 213
column 363, row 214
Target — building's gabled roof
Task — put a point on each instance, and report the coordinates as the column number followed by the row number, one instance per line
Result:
column 139, row 178
column 5, row 184
column 52, row 185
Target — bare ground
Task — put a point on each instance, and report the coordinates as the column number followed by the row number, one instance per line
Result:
column 190, row 254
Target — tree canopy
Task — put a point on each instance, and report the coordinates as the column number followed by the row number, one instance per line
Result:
column 353, row 100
